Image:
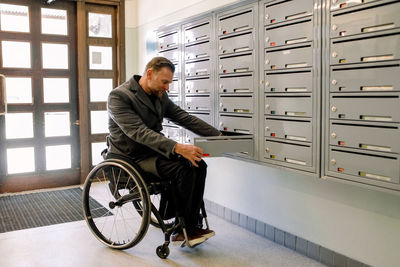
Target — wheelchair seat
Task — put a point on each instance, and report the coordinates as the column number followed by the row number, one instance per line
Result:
column 120, row 201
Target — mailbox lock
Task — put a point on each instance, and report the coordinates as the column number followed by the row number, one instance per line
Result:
column 267, row 128
column 221, row 105
column 267, row 106
column 220, row 66
column 221, row 124
column 267, row 83
column 220, row 28
column 261, row 81
column 220, row 47
column 334, row 54
column 267, row 61
column 266, row 16
column 333, row 135
column 334, row 82
column 334, row 109
column 266, row 39
column 221, row 86
column 333, row 161
column 334, row 27
column 267, row 150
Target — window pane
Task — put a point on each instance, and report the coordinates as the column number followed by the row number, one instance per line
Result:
column 56, row 124
column 99, row 25
column 16, row 54
column 99, row 89
column 20, row 160
column 18, row 90
column 96, row 150
column 54, row 21
column 99, row 121
column 58, row 157
column 100, row 57
column 56, row 90
column 19, row 125
column 55, row 56
column 14, row 18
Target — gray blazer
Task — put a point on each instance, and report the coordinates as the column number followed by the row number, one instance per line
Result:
column 135, row 123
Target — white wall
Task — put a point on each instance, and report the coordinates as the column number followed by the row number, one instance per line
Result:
column 360, row 223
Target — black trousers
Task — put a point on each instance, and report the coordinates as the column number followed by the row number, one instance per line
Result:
column 188, row 182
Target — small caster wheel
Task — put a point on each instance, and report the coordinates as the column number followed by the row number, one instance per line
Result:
column 162, row 252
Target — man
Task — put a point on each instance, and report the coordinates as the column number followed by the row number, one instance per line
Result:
column 136, row 110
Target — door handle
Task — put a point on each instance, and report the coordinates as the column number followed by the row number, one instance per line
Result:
column 3, row 97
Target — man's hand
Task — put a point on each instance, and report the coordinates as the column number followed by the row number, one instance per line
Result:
column 190, row 152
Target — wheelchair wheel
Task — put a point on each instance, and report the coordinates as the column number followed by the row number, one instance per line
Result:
column 110, row 194
column 155, row 201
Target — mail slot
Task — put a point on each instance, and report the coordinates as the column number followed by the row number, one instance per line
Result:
column 296, row 130
column 174, row 87
column 217, row 146
column 237, row 43
column 289, row 82
column 203, row 116
column 198, row 103
column 236, row 63
column 172, row 55
column 236, row 84
column 294, row 154
column 292, row 105
column 174, row 133
column 198, row 32
column 236, row 104
column 279, row 11
column 369, row 79
column 198, row 86
column 189, row 137
column 236, row 22
column 378, row 18
column 289, row 58
column 342, row 4
column 237, row 124
column 168, row 122
column 382, row 137
column 383, row 108
column 378, row 167
column 291, row 33
column 197, row 68
column 366, row 50
column 167, row 41
column 197, row 51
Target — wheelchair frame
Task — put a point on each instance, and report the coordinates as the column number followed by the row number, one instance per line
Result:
column 128, row 200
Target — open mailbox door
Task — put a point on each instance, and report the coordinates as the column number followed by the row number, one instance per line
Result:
column 3, row 98
column 217, row 146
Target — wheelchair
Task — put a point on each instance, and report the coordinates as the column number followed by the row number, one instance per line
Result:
column 119, row 206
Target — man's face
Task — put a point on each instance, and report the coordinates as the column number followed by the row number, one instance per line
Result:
column 159, row 81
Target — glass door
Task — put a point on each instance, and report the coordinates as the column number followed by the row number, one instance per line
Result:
column 39, row 135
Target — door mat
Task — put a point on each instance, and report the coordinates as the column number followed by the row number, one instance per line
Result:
column 32, row 210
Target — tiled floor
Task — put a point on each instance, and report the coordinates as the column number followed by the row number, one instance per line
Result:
column 72, row 244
